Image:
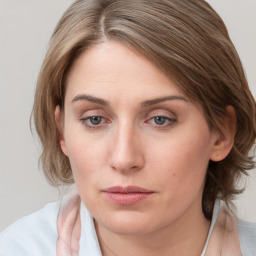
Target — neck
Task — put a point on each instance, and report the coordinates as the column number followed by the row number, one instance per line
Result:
column 185, row 236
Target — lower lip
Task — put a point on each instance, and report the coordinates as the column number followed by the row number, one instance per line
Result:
column 127, row 198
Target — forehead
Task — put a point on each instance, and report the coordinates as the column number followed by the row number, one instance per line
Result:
column 112, row 67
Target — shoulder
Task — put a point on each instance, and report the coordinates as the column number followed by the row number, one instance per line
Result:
column 35, row 234
column 247, row 236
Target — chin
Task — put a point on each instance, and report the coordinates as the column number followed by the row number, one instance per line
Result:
column 129, row 224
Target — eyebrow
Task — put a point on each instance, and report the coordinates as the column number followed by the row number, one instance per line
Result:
column 146, row 103
column 162, row 99
column 90, row 98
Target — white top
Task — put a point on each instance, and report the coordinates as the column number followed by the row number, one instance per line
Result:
column 36, row 234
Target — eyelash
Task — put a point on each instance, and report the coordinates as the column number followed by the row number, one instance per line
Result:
column 170, row 121
column 89, row 118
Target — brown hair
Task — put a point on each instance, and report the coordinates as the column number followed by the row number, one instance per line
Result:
column 188, row 41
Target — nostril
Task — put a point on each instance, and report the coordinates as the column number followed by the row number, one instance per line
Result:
column 126, row 166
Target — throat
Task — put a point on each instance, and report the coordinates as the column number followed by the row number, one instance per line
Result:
column 163, row 242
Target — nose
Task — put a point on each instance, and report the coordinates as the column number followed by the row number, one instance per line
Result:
column 126, row 152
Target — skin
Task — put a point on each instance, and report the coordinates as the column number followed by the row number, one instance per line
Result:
column 160, row 145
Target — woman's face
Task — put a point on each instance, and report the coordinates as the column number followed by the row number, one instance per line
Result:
column 138, row 148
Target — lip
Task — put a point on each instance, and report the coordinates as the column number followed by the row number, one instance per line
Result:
column 126, row 195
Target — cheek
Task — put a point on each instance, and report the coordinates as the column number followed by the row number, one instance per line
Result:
column 185, row 162
column 83, row 155
column 86, row 167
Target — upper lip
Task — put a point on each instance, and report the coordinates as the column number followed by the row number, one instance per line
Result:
column 127, row 189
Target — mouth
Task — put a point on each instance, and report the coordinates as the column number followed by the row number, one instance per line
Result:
column 128, row 195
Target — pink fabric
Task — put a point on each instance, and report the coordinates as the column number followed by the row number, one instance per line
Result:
column 224, row 240
column 69, row 226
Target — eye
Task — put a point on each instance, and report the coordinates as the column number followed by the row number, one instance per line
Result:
column 162, row 121
column 93, row 121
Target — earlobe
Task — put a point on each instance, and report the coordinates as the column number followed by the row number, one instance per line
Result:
column 225, row 138
column 59, row 124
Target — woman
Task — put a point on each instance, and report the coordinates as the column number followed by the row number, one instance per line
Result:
column 144, row 105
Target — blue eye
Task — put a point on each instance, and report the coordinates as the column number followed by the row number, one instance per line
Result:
column 95, row 120
column 160, row 120
column 92, row 121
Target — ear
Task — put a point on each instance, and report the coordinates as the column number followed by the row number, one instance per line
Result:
column 59, row 123
column 225, row 138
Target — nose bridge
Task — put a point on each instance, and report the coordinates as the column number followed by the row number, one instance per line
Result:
column 126, row 153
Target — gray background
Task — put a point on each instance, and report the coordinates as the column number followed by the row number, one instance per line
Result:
column 25, row 28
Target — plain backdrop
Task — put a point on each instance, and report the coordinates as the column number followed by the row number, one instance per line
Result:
column 25, row 29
